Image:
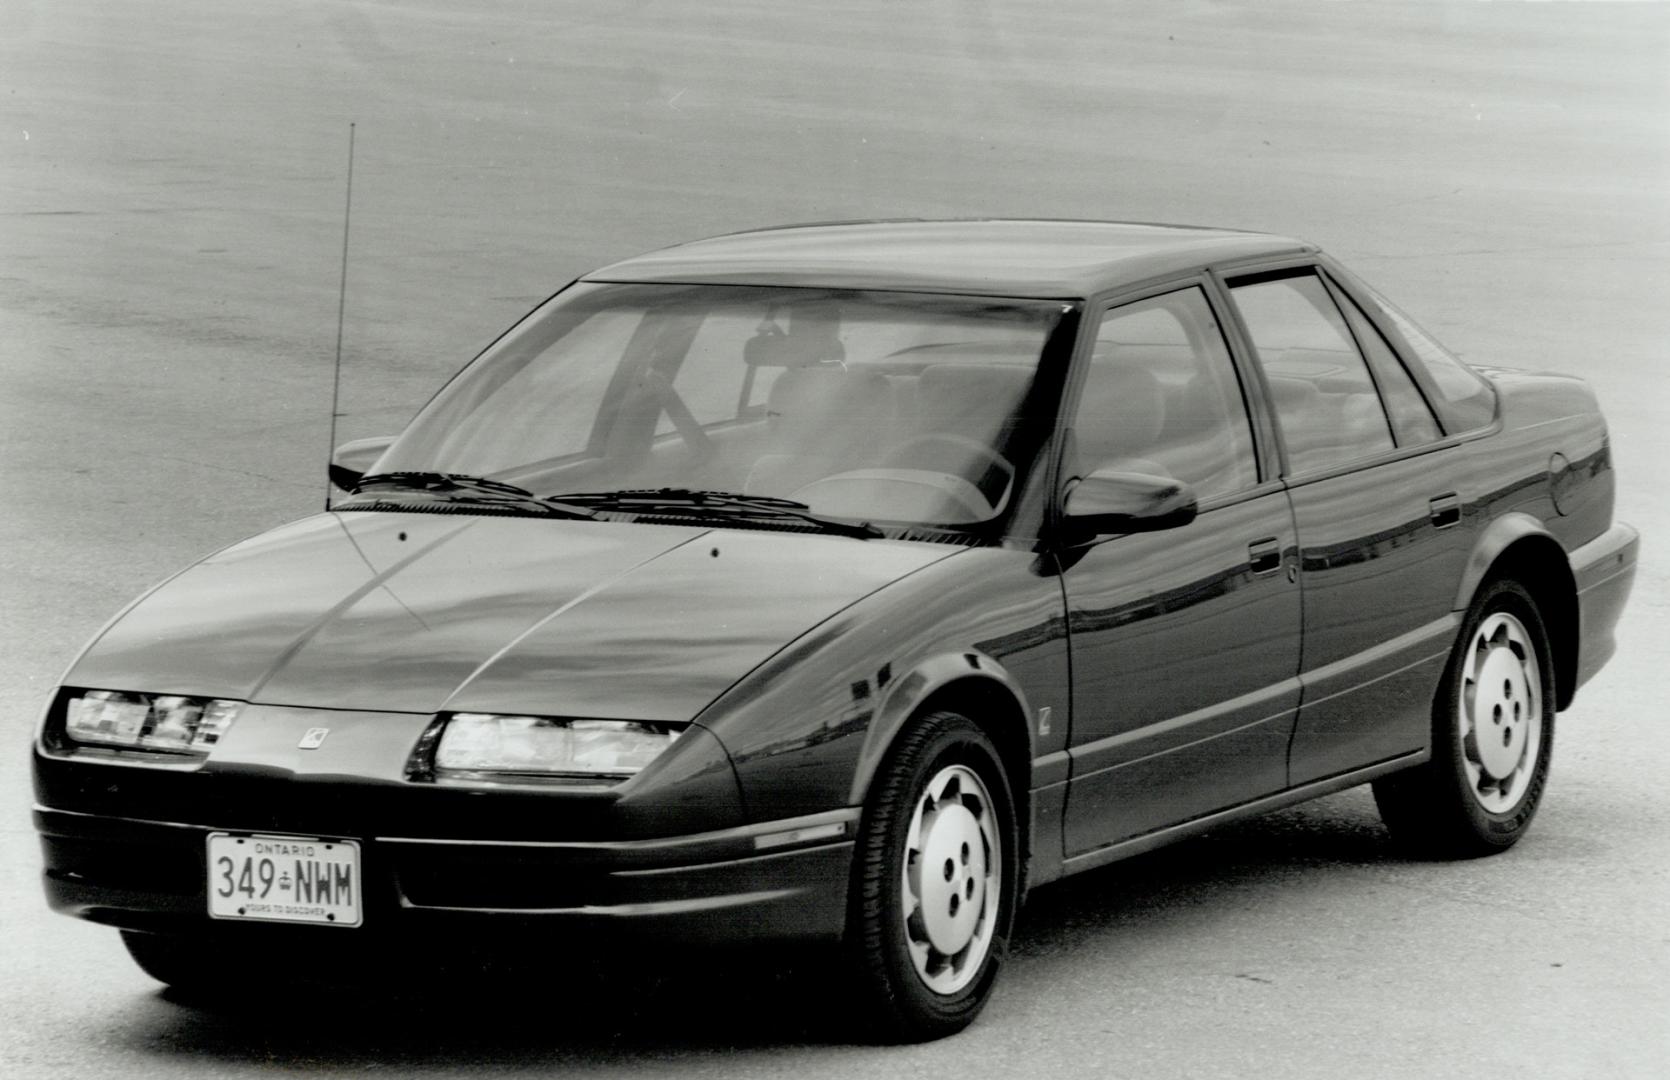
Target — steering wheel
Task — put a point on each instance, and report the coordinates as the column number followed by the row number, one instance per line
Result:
column 954, row 454
column 897, row 494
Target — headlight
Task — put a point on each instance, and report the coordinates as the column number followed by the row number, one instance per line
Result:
column 548, row 746
column 147, row 721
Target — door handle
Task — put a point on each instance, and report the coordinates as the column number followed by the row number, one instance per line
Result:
column 1264, row 556
column 1445, row 510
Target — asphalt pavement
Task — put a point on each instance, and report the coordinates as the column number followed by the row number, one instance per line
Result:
column 171, row 199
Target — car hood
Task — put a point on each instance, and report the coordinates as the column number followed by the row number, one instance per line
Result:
column 412, row 612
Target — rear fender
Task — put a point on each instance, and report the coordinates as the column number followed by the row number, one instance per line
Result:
column 1519, row 545
column 1496, row 538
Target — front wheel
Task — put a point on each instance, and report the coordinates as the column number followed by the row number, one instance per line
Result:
column 935, row 879
column 1492, row 738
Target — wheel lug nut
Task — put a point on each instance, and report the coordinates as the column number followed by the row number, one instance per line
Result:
column 949, row 869
column 965, row 854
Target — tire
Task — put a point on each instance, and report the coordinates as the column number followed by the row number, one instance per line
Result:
column 184, row 963
column 1491, row 744
column 926, row 946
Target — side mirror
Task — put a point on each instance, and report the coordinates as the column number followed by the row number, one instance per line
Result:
column 351, row 459
column 1111, row 500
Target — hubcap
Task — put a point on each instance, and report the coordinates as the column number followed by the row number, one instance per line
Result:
column 951, row 879
column 1501, row 713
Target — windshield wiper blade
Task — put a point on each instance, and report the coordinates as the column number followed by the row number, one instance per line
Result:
column 673, row 496
column 715, row 503
column 475, row 490
column 441, row 481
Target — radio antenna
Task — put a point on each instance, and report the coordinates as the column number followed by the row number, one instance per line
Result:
column 341, row 306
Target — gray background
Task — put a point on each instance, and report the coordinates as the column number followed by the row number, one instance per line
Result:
column 170, row 215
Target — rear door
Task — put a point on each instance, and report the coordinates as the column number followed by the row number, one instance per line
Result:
column 1380, row 498
column 1184, row 643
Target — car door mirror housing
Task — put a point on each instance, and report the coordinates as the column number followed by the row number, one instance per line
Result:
column 350, row 460
column 1112, row 500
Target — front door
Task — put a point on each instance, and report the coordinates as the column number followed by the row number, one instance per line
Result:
column 1184, row 643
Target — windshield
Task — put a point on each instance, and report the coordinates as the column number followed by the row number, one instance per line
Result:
column 890, row 407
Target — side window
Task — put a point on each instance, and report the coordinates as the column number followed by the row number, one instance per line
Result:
column 1161, row 396
column 1412, row 421
column 1468, row 401
column 1325, row 400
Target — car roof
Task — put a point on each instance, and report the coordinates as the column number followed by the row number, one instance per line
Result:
column 1024, row 258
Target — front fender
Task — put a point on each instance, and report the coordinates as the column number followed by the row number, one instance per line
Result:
column 973, row 674
column 807, row 729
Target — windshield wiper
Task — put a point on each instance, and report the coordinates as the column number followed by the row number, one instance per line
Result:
column 473, row 490
column 712, row 504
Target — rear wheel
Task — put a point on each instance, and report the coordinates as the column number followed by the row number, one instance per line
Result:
column 1492, row 738
column 934, row 881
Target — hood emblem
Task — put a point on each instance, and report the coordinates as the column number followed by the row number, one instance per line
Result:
column 314, row 737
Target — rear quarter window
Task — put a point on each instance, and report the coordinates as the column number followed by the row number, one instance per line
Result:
column 1465, row 400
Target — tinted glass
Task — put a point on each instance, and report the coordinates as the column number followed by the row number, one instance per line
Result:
column 1161, row 397
column 709, row 381
column 1412, row 421
column 1325, row 401
column 879, row 406
column 539, row 411
column 1466, row 400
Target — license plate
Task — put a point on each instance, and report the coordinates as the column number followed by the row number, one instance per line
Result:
column 284, row 879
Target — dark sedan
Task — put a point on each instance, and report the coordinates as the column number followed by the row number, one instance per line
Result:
column 842, row 583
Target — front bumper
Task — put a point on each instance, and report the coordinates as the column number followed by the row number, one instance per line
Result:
column 125, row 838
column 776, row 881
